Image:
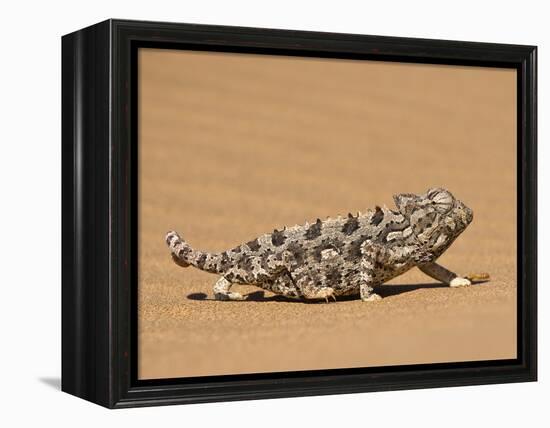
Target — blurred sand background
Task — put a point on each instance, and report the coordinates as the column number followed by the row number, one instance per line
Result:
column 232, row 146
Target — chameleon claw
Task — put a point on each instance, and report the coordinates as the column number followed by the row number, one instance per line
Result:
column 327, row 298
column 323, row 293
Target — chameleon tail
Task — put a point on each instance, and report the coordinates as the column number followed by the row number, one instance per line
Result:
column 184, row 255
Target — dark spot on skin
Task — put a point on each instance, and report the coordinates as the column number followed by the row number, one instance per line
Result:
column 201, row 260
column 336, row 244
column 351, row 225
column 239, row 278
column 224, row 261
column 354, row 249
column 236, row 250
column 297, row 252
column 377, row 217
column 314, row 230
column 317, row 252
column 370, row 273
column 383, row 236
column 182, row 252
column 266, row 251
column 253, row 245
column 262, row 278
column 425, row 222
column 333, row 276
column 246, row 263
column 263, row 263
column 278, row 238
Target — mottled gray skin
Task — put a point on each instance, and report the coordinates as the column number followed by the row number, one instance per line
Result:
column 342, row 256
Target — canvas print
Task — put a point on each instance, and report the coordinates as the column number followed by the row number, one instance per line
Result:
column 303, row 213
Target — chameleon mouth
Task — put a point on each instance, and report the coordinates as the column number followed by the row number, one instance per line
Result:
column 467, row 215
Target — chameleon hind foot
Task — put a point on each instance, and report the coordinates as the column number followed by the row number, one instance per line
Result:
column 221, row 291
column 231, row 295
column 321, row 293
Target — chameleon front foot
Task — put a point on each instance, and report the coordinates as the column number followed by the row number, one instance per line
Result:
column 469, row 279
column 373, row 297
column 221, row 291
column 460, row 282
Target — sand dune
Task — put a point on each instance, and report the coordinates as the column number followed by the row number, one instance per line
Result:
column 232, row 146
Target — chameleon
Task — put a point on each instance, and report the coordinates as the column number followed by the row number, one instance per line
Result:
column 341, row 256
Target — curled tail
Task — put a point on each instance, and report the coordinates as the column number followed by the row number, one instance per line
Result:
column 184, row 255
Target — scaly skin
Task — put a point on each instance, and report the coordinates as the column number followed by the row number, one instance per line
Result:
column 342, row 256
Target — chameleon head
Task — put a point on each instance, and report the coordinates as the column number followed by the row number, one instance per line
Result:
column 435, row 217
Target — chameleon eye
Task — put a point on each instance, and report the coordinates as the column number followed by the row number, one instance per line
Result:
column 442, row 200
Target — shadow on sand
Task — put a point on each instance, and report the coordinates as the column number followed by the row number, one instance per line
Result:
column 383, row 291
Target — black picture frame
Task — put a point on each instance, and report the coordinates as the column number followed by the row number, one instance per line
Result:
column 99, row 205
